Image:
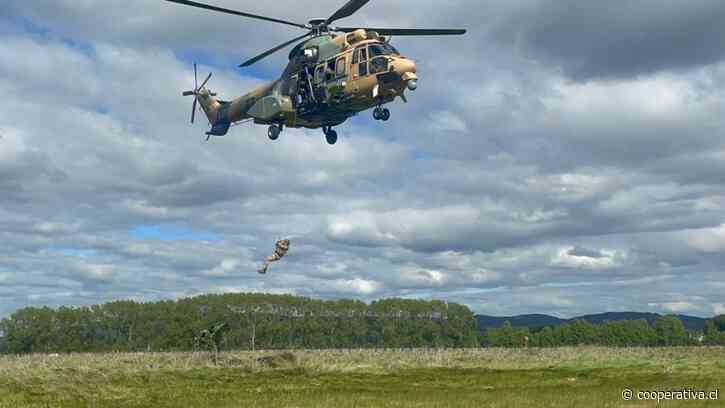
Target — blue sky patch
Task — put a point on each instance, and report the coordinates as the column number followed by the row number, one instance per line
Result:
column 171, row 233
column 221, row 62
column 74, row 252
column 25, row 25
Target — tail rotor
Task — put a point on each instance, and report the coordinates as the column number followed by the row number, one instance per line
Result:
column 195, row 92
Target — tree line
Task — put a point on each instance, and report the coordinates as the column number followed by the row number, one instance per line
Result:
column 664, row 331
column 251, row 321
column 263, row 321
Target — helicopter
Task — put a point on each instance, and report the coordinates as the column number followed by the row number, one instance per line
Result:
column 333, row 73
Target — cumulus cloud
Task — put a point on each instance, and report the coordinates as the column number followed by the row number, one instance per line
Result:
column 356, row 287
column 708, row 240
column 96, row 272
column 226, row 267
column 675, row 307
column 559, row 159
column 718, row 308
column 616, row 39
column 573, row 257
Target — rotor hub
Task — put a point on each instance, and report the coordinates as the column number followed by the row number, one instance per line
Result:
column 318, row 25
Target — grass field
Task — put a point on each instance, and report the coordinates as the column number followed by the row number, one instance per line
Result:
column 565, row 377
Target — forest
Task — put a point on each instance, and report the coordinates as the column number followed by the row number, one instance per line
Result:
column 251, row 321
column 273, row 322
column 663, row 332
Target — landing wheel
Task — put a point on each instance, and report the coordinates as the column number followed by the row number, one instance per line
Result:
column 330, row 135
column 377, row 114
column 385, row 115
column 273, row 132
column 381, row 114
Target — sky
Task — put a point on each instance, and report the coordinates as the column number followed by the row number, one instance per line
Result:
column 563, row 157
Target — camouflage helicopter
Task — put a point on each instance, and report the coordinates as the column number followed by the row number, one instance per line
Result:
column 333, row 74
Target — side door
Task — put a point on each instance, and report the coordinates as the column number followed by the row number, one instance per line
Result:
column 359, row 75
column 320, row 81
column 360, row 62
column 341, row 68
column 338, row 83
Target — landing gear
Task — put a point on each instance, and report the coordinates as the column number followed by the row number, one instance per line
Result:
column 274, row 131
column 330, row 135
column 381, row 114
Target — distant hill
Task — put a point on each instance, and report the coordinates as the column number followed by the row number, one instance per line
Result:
column 540, row 320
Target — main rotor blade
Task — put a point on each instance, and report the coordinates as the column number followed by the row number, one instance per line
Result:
column 234, row 12
column 205, row 81
column 193, row 110
column 196, row 82
column 272, row 51
column 405, row 31
column 347, row 10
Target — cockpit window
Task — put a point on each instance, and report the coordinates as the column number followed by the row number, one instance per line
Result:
column 378, row 65
column 382, row 49
column 360, row 55
column 341, row 67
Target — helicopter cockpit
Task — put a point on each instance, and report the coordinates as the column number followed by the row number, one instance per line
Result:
column 379, row 49
column 373, row 59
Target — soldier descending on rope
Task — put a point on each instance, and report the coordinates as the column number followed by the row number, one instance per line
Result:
column 280, row 250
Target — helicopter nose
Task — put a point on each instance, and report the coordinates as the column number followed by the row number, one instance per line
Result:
column 404, row 66
column 407, row 70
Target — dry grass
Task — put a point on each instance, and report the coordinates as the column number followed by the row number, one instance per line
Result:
column 588, row 376
column 694, row 359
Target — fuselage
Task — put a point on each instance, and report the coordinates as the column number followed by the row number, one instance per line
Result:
column 328, row 79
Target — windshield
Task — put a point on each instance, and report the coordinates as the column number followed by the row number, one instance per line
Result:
column 382, row 49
